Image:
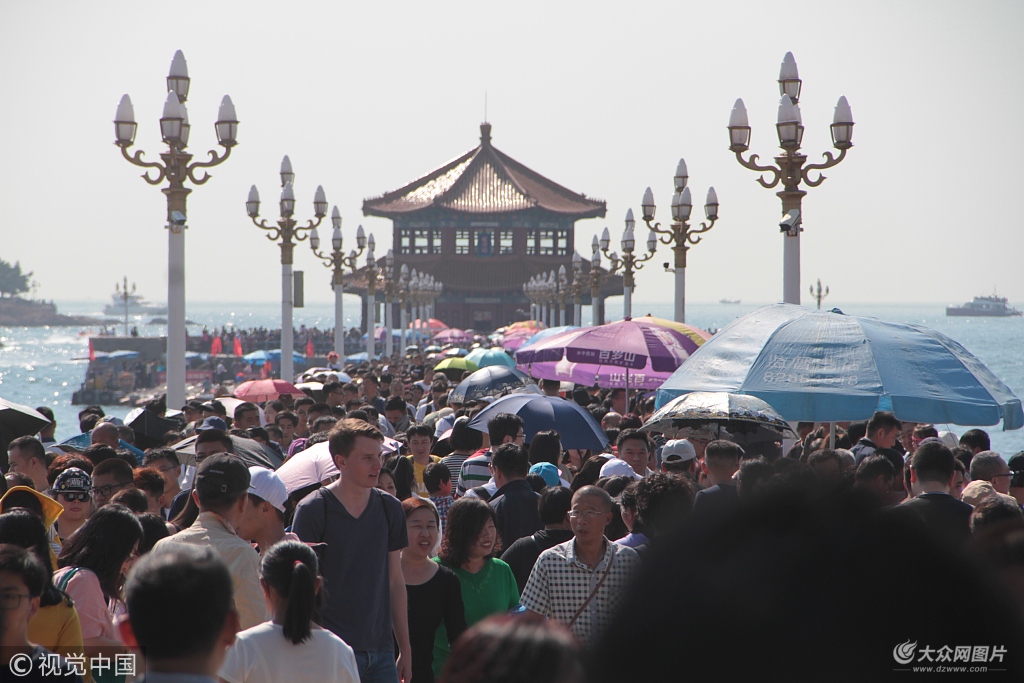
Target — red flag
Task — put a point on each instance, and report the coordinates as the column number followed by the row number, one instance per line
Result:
column 265, row 370
column 217, row 346
column 92, row 351
column 238, row 346
column 309, row 348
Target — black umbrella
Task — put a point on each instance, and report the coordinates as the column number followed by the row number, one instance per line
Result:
column 150, row 428
column 18, row 420
column 252, row 453
column 493, row 380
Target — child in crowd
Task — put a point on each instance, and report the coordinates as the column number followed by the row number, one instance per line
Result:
column 438, row 480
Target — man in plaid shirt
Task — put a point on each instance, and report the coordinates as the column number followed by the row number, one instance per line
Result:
column 579, row 583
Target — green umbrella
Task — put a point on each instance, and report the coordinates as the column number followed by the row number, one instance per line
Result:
column 452, row 368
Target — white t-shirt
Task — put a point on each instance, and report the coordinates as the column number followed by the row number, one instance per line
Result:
column 261, row 654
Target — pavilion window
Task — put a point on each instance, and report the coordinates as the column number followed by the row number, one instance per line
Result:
column 421, row 241
column 405, row 241
column 531, row 242
column 462, row 242
column 483, row 241
column 505, row 237
column 546, row 246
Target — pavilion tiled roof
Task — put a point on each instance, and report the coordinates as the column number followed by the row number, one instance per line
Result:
column 481, row 181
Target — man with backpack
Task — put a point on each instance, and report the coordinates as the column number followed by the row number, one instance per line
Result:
column 363, row 530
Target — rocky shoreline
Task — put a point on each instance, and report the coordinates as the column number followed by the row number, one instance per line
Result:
column 17, row 312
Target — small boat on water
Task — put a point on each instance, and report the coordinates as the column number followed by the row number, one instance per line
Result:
column 728, row 301
column 136, row 305
column 987, row 306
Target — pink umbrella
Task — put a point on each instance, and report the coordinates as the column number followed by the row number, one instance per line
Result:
column 315, row 465
column 453, row 336
column 260, row 390
column 637, row 353
column 434, row 324
column 515, row 339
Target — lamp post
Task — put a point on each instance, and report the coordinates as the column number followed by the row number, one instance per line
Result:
column 819, row 295
column 577, row 288
column 288, row 231
column 371, row 300
column 790, row 169
column 337, row 262
column 680, row 235
column 596, row 276
column 563, row 293
column 176, row 168
column 126, row 294
column 403, row 298
column 390, row 287
column 630, row 261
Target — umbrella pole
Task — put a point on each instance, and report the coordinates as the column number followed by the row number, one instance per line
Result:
column 832, row 435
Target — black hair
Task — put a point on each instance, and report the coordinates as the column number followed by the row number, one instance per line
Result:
column 244, row 407
column 133, row 499
column 290, row 568
column 874, row 466
column 121, row 470
column 25, row 530
column 33, row 448
column 324, row 423
column 631, row 435
column 466, row 519
column 882, row 420
column 996, row 511
column 976, row 438
column 545, row 446
column 259, row 433
column 589, row 473
column 404, row 475
column 420, row 429
column 536, row 482
column 24, row 563
column 287, row 415
column 98, row 452
column 189, row 513
column 822, row 456
column 434, row 475
column 511, row 460
column 208, row 435
column 753, row 475
column 102, row 545
column 464, row 438
column 503, row 649
column 304, row 401
column 923, row 431
column 277, row 405
column 722, row 448
column 933, row 462
column 153, row 454
column 554, row 504
column 395, row 403
column 663, row 502
column 502, row 425
column 178, row 601
column 154, row 529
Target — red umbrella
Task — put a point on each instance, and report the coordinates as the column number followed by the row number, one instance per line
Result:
column 260, row 390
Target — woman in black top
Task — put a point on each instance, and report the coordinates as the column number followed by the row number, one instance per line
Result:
column 434, row 591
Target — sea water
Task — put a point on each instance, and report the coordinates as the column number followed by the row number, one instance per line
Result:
column 37, row 366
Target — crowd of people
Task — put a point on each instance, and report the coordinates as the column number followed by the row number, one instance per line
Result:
column 444, row 551
column 257, row 338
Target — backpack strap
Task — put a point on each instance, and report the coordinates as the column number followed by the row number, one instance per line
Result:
column 482, row 493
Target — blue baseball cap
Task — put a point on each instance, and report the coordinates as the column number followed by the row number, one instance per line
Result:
column 548, row 472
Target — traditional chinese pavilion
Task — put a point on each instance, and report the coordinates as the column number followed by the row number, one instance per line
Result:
column 483, row 224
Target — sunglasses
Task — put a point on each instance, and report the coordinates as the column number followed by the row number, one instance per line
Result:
column 82, row 497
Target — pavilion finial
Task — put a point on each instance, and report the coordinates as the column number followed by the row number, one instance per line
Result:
column 485, row 133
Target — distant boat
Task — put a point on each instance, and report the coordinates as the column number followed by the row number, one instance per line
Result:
column 989, row 306
column 728, row 301
column 136, row 305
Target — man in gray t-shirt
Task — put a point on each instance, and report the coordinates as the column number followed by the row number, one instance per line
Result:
column 364, row 531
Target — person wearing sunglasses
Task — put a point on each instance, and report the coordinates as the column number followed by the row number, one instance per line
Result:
column 72, row 489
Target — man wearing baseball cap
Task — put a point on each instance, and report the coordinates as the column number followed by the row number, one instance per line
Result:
column 221, row 491
column 264, row 517
column 679, row 457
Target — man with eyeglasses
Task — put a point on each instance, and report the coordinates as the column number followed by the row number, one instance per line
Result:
column 581, row 582
column 991, row 467
column 109, row 477
column 165, row 461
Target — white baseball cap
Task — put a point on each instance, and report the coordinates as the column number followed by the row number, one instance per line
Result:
column 618, row 468
column 678, row 450
column 267, row 485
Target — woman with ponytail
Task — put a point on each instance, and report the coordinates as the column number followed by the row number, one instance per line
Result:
column 291, row 647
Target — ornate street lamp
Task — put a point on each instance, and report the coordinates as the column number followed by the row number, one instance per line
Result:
column 288, row 231
column 337, row 262
column 577, row 288
column 597, row 275
column 177, row 167
column 630, row 261
column 680, row 235
column 790, row 169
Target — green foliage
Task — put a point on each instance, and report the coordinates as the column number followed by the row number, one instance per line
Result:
column 12, row 280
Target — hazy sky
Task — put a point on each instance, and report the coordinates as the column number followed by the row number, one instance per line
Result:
column 602, row 97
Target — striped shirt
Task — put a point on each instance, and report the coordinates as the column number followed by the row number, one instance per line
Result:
column 475, row 471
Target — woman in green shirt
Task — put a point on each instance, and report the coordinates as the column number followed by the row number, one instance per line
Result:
column 470, row 547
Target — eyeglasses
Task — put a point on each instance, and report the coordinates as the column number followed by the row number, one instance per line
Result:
column 81, row 497
column 1008, row 474
column 106, row 491
column 585, row 514
column 10, row 601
